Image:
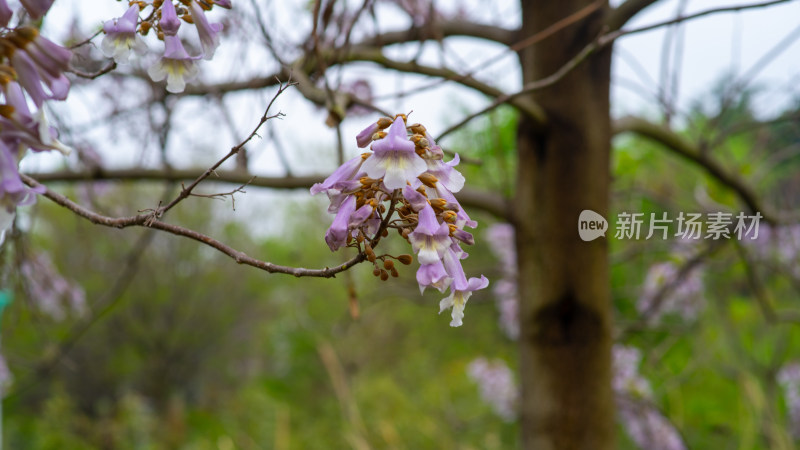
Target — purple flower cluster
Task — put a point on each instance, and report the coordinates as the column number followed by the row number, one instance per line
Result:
column 645, row 424
column 789, row 379
column 31, row 69
column 176, row 65
column 405, row 169
column 665, row 291
column 501, row 236
column 780, row 245
column 49, row 290
column 497, row 387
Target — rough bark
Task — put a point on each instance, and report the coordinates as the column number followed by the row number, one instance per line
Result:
column 567, row 402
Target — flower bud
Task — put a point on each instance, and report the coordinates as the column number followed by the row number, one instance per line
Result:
column 388, row 264
column 384, row 122
column 405, row 259
column 384, row 275
column 428, row 179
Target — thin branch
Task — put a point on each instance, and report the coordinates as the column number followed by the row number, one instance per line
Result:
column 736, row 8
column 92, row 75
column 148, row 220
column 625, row 12
column 375, row 55
column 688, row 150
column 186, row 192
column 471, row 198
column 444, row 28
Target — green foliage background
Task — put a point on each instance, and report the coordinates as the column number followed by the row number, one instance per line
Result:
column 191, row 351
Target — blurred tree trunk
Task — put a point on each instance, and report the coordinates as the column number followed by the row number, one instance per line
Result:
column 565, row 343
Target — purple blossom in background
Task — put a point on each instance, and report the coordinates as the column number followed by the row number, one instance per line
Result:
column 497, row 387
column 49, row 290
column 684, row 296
column 404, row 170
column 645, row 424
column 789, row 379
column 6, row 377
column 501, row 237
column 777, row 244
column 121, row 36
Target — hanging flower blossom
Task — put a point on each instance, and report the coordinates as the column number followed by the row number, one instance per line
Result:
column 176, row 65
column 394, row 158
column 37, row 8
column 121, row 36
column 169, row 22
column 404, row 170
column 5, row 13
column 206, row 31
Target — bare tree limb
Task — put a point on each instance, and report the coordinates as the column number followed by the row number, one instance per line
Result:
column 148, row 220
column 489, row 202
column 625, row 12
column 444, row 28
column 688, row 150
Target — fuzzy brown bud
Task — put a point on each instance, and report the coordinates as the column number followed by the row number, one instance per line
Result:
column 384, row 275
column 388, row 264
column 405, row 259
column 428, row 180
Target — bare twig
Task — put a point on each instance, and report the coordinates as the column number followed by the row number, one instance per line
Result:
column 221, row 195
column 186, row 192
column 92, row 75
column 686, row 149
column 151, row 221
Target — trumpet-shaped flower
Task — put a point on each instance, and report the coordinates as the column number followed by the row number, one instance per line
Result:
column 446, row 173
column 37, row 8
column 5, row 13
column 176, row 65
column 432, row 275
column 208, row 32
column 346, row 171
column 365, row 136
column 430, row 239
column 394, row 158
column 458, row 299
column 121, row 37
column 336, row 236
column 169, row 22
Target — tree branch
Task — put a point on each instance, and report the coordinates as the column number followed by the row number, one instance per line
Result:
column 526, row 106
column 486, row 201
column 444, row 28
column 689, row 151
column 625, row 12
column 150, row 221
